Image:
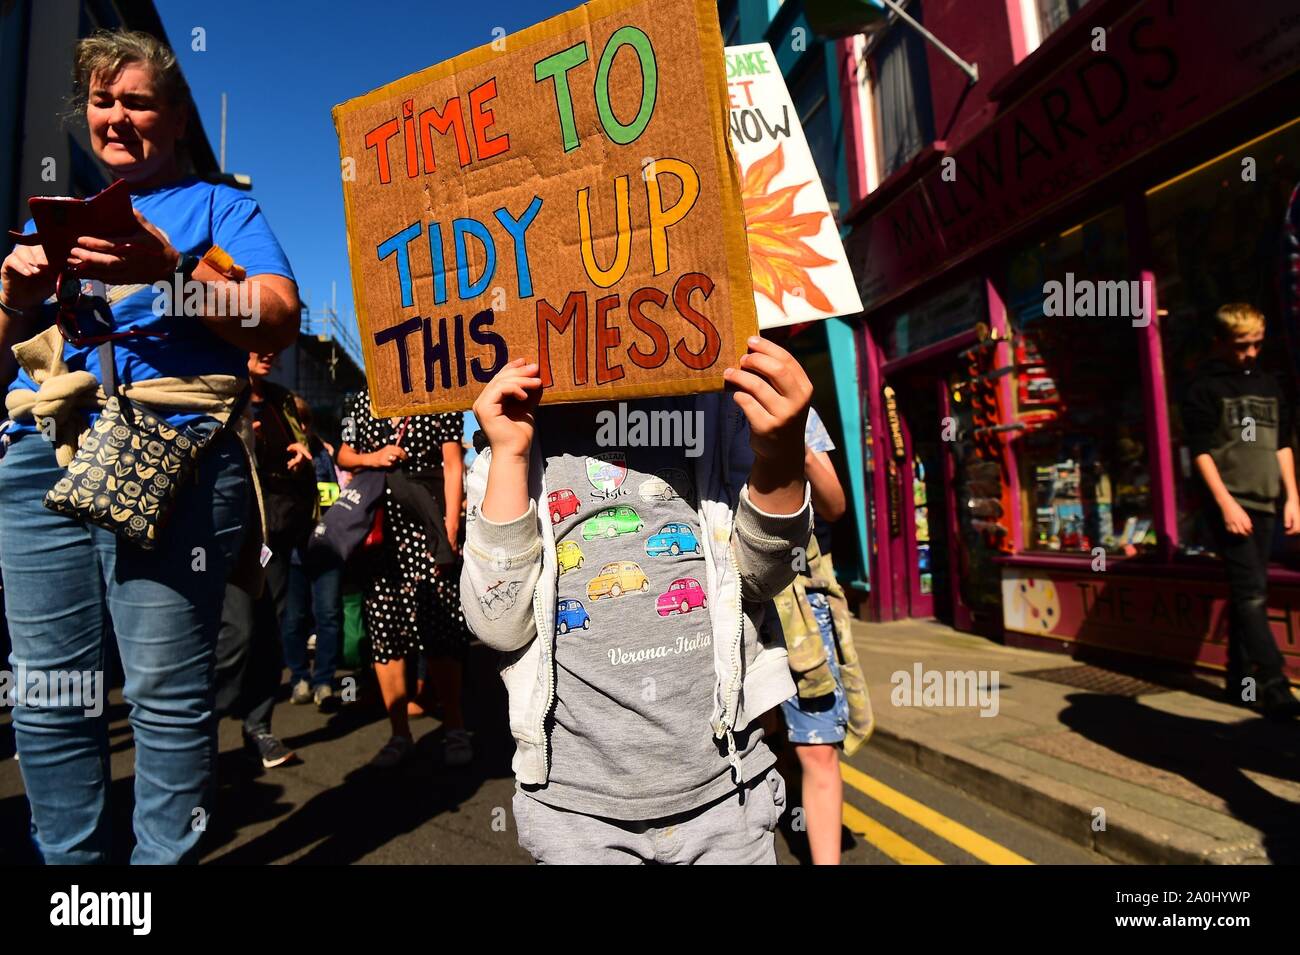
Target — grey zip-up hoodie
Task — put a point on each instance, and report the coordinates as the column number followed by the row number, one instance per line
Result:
column 509, row 582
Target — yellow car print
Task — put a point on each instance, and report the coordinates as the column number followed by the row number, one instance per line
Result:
column 616, row 579
column 569, row 555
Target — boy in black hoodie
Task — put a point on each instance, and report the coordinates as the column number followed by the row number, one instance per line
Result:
column 1239, row 429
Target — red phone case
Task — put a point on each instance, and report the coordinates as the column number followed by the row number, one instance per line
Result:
column 61, row 221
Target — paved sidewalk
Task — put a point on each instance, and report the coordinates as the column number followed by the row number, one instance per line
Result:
column 1180, row 777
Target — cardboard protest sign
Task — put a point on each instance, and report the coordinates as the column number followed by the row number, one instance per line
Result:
column 563, row 194
column 800, row 270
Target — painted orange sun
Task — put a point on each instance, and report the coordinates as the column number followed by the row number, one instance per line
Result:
column 779, row 256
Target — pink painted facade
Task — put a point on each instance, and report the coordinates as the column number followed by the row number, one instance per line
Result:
column 1114, row 166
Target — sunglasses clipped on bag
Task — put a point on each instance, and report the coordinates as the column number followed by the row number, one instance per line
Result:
column 75, row 296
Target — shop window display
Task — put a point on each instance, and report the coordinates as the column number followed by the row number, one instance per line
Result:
column 977, row 478
column 1217, row 234
column 921, row 512
column 1082, row 445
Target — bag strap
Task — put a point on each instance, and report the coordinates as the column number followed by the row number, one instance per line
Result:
column 108, row 368
column 108, row 373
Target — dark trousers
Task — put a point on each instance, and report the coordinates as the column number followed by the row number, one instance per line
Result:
column 250, row 657
column 249, row 660
column 1252, row 651
column 313, row 594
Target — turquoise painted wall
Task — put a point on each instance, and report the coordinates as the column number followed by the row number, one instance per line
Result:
column 785, row 28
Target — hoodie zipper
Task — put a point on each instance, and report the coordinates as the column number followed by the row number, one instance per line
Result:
column 724, row 727
column 550, row 682
column 730, row 704
column 548, row 648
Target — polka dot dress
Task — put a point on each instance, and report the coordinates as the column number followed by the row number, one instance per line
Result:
column 408, row 609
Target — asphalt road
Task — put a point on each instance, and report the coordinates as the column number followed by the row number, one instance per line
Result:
column 328, row 808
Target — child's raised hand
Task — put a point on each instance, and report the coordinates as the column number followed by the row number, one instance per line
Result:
column 505, row 407
column 774, row 392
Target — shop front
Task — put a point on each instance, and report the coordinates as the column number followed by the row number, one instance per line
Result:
column 1035, row 311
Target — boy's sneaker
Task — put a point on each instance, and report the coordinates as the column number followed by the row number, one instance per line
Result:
column 325, row 697
column 268, row 749
column 457, row 748
column 301, row 693
column 393, row 754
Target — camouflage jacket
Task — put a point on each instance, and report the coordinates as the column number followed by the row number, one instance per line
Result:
column 809, row 664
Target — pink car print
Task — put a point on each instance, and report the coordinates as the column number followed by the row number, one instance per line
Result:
column 682, row 596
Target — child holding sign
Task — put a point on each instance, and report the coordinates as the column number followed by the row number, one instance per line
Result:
column 628, row 609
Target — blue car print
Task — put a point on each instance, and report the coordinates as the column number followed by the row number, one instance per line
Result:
column 571, row 615
column 672, row 539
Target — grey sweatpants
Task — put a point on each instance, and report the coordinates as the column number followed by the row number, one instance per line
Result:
column 730, row 831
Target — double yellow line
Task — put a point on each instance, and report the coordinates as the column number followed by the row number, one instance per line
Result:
column 900, row 849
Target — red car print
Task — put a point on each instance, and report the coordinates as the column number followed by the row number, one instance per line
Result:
column 562, row 504
column 682, row 596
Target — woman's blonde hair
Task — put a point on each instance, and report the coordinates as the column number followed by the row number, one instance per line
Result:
column 1238, row 318
column 106, row 52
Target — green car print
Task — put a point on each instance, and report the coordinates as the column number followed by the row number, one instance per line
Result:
column 611, row 522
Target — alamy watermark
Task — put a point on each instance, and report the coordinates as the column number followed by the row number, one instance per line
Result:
column 938, row 688
column 636, row 428
column 75, row 908
column 1085, row 298
column 62, row 689
column 195, row 299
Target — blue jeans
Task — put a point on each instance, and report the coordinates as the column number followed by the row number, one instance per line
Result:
column 68, row 586
column 314, row 592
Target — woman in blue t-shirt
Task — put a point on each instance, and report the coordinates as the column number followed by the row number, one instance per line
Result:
column 68, row 583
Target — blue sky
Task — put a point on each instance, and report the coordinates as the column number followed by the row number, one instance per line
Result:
column 284, row 65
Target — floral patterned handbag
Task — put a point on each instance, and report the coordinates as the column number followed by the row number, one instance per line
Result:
column 130, row 467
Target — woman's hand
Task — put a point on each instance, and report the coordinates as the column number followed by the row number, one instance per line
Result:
column 144, row 257
column 385, row 457
column 774, row 393
column 505, row 407
column 27, row 276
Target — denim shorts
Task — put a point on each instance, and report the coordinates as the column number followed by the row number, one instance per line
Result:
column 826, row 718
